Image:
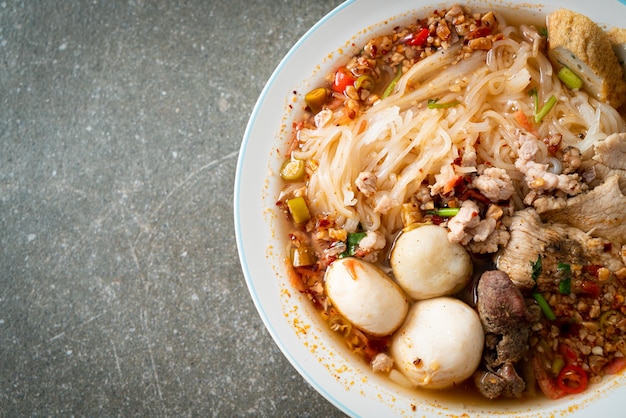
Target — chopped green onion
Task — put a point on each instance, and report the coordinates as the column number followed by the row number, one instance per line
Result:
column 565, row 271
column 536, row 268
column 444, row 212
column 433, row 104
column 570, row 78
column 557, row 365
column 352, row 243
column 545, row 109
column 541, row 113
column 545, row 307
column 393, row 83
column 543, row 32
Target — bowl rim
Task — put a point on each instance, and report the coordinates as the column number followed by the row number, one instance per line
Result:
column 241, row 203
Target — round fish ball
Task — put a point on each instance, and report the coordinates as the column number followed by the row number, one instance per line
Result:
column 426, row 265
column 440, row 344
column 366, row 296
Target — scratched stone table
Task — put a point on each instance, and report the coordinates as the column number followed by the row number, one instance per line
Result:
column 121, row 293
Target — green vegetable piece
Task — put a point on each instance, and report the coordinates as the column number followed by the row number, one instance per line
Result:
column 299, row 210
column 444, row 212
column 434, row 104
column 352, row 243
column 303, row 256
column 316, row 98
column 569, row 78
column 292, row 169
column 393, row 83
column 557, row 365
column 364, row 82
column 565, row 284
column 536, row 268
column 545, row 307
column 545, row 109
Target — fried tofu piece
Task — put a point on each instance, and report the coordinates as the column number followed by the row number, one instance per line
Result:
column 617, row 36
column 576, row 42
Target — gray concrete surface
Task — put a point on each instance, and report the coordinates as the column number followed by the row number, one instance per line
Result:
column 121, row 293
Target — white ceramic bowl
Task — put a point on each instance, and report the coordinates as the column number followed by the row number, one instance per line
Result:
column 291, row 320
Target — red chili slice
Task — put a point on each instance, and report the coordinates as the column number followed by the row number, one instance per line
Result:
column 572, row 379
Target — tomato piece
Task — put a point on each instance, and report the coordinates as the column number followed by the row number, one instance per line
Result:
column 572, row 379
column 617, row 365
column 419, row 38
column 546, row 384
column 343, row 79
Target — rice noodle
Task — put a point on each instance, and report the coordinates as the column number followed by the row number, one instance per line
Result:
column 406, row 144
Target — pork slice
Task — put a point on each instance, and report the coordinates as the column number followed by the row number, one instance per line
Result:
column 495, row 184
column 610, row 159
column 601, row 212
column 555, row 243
column 612, row 151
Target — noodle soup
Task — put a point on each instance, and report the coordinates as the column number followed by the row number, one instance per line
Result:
column 442, row 195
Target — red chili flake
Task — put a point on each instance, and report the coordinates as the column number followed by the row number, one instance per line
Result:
column 475, row 195
column 589, row 288
column 591, row 269
column 437, row 220
column 478, row 33
column 323, row 223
